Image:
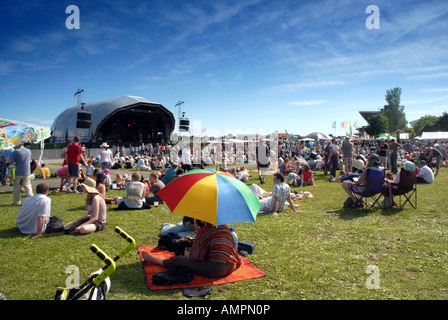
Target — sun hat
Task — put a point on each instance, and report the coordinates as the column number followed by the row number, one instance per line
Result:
column 104, row 145
column 409, row 166
column 90, row 185
column 307, row 194
column 106, row 171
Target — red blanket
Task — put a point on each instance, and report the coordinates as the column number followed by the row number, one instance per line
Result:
column 246, row 271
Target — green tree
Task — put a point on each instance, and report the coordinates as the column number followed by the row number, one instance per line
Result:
column 394, row 111
column 377, row 124
column 425, row 123
column 442, row 122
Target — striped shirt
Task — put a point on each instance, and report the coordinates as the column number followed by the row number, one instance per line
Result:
column 33, row 207
column 282, row 191
column 215, row 243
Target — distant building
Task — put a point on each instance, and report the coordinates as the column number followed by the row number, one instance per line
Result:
column 124, row 120
column 367, row 114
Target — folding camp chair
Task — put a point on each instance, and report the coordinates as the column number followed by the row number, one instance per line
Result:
column 94, row 287
column 373, row 189
column 407, row 187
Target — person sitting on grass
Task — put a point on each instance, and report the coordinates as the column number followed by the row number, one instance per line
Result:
column 293, row 179
column 306, row 176
column 95, row 219
column 135, row 194
column 278, row 199
column 34, row 214
column 155, row 185
column 120, row 181
column 101, row 180
column 44, row 171
column 213, row 254
column 63, row 174
column 425, row 174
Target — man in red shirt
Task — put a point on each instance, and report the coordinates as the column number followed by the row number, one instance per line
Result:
column 74, row 154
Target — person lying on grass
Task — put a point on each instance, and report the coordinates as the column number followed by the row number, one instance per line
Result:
column 212, row 255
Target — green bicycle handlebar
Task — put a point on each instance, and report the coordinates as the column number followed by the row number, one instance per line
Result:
column 107, row 270
column 129, row 239
column 123, row 234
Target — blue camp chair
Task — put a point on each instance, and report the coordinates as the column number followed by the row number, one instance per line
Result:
column 373, row 188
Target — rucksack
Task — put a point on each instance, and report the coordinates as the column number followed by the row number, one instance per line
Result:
column 349, row 203
column 172, row 277
column 174, row 243
column 54, row 225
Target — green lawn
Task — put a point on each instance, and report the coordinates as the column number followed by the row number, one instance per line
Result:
column 322, row 253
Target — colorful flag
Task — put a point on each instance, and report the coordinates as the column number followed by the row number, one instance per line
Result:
column 334, row 124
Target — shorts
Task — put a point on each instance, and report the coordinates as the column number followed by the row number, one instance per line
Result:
column 73, row 170
column 105, row 165
column 99, row 226
column 357, row 188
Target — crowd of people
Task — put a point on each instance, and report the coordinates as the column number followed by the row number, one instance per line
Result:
column 294, row 165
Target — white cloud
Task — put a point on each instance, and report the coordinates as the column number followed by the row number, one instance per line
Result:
column 307, row 103
column 291, row 87
column 436, row 90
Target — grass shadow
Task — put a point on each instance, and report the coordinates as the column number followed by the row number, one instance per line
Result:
column 350, row 214
column 12, row 233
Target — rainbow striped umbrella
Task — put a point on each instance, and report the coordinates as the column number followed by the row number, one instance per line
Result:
column 214, row 197
column 14, row 132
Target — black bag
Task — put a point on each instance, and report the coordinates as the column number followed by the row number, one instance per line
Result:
column 349, row 203
column 172, row 276
column 54, row 225
column 174, row 243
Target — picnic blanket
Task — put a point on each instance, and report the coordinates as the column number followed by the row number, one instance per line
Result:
column 246, row 271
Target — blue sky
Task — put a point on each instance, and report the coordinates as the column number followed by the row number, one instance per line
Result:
column 239, row 66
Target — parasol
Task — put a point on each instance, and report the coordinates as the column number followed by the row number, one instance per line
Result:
column 13, row 133
column 318, row 136
column 214, row 197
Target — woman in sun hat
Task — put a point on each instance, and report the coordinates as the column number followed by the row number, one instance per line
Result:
column 95, row 220
column 106, row 156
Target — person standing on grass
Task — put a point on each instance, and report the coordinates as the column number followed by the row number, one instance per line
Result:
column 347, row 155
column 74, row 154
column 393, row 151
column 35, row 212
column 106, row 156
column 334, row 158
column 22, row 158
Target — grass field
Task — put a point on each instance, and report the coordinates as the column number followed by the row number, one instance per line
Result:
column 323, row 253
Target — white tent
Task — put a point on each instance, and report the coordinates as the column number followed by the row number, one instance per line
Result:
column 317, row 136
column 434, row 135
